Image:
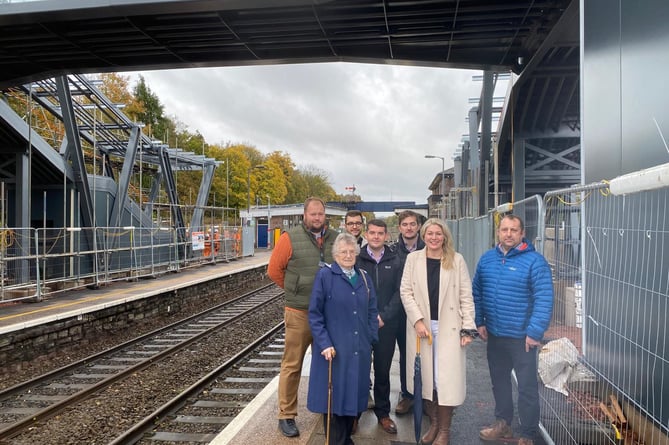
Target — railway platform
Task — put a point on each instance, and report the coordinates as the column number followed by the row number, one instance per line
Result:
column 17, row 316
column 257, row 423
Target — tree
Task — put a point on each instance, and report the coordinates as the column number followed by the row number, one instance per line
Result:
column 348, row 197
column 318, row 183
column 117, row 89
column 272, row 182
column 287, row 167
column 239, row 169
column 298, row 189
column 149, row 110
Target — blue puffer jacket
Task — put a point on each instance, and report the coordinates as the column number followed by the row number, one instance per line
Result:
column 513, row 293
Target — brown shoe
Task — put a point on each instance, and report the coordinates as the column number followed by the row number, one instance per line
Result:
column 525, row 441
column 496, row 430
column 404, row 406
column 388, row 425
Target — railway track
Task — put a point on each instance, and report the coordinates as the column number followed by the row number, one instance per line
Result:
column 204, row 409
column 30, row 405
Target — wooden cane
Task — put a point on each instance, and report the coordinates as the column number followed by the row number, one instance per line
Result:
column 327, row 424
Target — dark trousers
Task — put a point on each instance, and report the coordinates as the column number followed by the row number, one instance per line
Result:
column 383, row 359
column 506, row 354
column 402, row 346
column 340, row 429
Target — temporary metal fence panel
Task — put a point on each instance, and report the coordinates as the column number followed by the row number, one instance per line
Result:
column 609, row 327
column 472, row 237
column 18, row 264
column 39, row 262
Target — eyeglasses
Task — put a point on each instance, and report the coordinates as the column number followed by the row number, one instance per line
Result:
column 347, row 253
column 353, row 224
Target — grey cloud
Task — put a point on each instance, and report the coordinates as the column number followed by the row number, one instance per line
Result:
column 368, row 125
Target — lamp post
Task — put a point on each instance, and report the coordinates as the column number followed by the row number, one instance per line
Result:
column 227, row 184
column 443, row 184
column 248, row 189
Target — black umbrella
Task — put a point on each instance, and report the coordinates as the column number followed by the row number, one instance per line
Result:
column 418, row 391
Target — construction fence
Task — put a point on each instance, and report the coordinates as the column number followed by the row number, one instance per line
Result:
column 36, row 263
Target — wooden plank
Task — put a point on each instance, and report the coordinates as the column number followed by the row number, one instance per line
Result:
column 618, row 410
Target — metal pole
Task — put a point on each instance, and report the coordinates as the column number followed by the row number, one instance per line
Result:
column 248, row 189
column 248, row 193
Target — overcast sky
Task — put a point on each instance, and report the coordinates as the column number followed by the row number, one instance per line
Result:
column 365, row 125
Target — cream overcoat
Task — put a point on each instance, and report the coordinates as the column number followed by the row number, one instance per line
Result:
column 456, row 312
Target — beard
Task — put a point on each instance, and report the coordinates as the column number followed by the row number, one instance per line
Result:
column 315, row 227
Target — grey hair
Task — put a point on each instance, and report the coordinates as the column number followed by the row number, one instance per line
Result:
column 345, row 238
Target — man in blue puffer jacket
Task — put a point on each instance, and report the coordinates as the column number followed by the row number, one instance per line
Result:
column 513, row 295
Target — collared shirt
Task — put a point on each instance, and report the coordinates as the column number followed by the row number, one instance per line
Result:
column 319, row 237
column 350, row 274
column 412, row 247
column 374, row 257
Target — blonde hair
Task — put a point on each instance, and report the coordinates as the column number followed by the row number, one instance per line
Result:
column 447, row 249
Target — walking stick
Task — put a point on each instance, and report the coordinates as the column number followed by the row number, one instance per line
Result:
column 327, row 424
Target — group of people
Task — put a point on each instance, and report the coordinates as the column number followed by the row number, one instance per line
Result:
column 353, row 298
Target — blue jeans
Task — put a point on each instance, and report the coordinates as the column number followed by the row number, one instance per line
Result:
column 506, row 354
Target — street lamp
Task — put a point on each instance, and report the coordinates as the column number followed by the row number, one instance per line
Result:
column 443, row 184
column 227, row 184
column 248, row 189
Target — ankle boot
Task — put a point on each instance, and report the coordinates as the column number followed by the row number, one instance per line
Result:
column 445, row 415
column 431, row 411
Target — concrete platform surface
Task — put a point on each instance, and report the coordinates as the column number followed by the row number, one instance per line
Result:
column 258, row 423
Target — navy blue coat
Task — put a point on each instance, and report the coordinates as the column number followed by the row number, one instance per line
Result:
column 513, row 293
column 344, row 316
column 386, row 276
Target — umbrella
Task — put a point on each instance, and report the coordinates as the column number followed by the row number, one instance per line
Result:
column 418, row 390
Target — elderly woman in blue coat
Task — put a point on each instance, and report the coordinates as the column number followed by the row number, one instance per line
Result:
column 344, row 323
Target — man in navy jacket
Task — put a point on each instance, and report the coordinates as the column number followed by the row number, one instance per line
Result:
column 513, row 295
column 385, row 270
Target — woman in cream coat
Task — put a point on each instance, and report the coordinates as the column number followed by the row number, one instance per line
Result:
column 436, row 292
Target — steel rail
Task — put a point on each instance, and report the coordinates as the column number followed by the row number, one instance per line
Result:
column 24, row 386
column 59, row 406
column 138, row 431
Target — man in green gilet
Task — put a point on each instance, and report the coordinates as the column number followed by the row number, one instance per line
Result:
column 296, row 258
